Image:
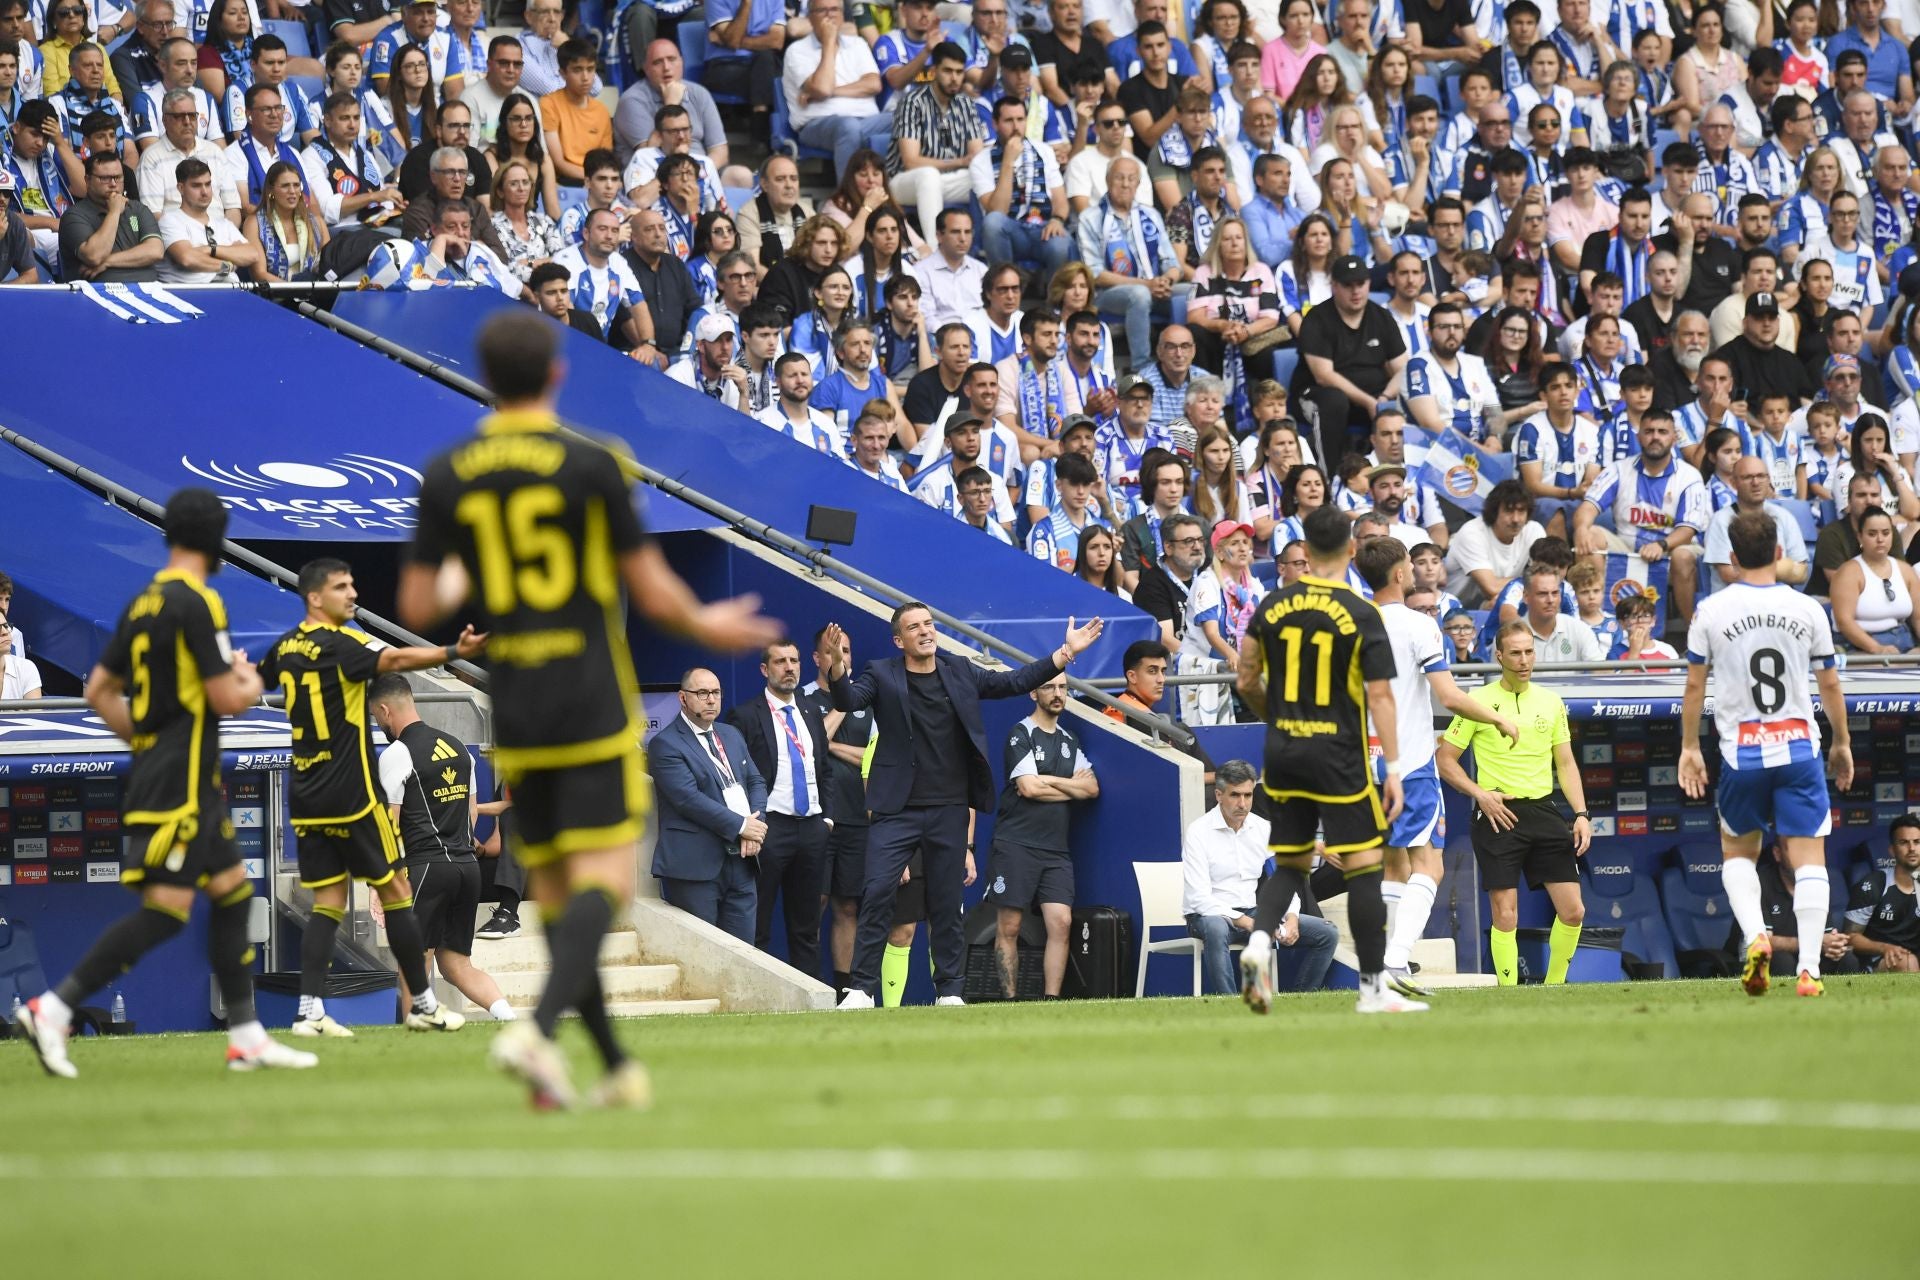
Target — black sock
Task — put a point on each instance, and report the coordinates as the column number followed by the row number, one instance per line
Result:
column 232, row 956
column 510, row 902
column 593, row 1013
column 842, row 980
column 118, row 950
column 316, row 949
column 1275, row 895
column 573, row 942
column 1367, row 920
column 409, row 952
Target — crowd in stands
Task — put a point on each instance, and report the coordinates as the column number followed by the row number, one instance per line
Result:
column 1131, row 287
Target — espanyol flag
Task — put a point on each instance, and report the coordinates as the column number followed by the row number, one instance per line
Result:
column 1417, row 440
column 1461, row 471
column 1629, row 575
column 141, row 303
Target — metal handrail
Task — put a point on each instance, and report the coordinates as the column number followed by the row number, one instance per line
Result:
column 820, row 560
column 1661, row 665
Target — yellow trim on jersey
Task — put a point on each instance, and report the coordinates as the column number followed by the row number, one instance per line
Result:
column 1289, row 850
column 215, row 605
column 567, row 843
column 518, row 421
column 321, row 884
column 514, row 761
column 1362, row 847
column 1291, row 794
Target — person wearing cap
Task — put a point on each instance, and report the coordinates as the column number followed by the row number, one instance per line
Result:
column 1846, row 335
column 1121, row 447
column 937, row 485
column 1019, row 186
column 833, row 86
column 1759, row 364
column 1204, row 646
column 420, row 25
column 1135, row 268
column 1055, row 537
column 1041, row 492
column 1352, row 352
column 1387, row 490
column 989, row 42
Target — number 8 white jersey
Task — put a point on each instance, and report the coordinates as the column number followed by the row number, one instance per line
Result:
column 1761, row 642
column 1418, row 648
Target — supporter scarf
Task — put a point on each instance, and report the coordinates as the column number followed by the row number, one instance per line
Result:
column 278, row 260
column 1132, row 241
column 679, row 229
column 1630, row 264
column 1233, row 362
column 1029, row 181
column 51, row 181
column 1094, row 382
column 1222, row 73
column 1041, row 404
column 822, row 339
column 1202, row 223
column 759, row 387
column 1178, row 152
column 257, row 169
column 706, row 284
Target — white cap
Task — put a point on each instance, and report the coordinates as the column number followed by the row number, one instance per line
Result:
column 712, row 328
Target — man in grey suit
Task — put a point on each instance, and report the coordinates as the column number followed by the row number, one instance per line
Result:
column 712, row 803
column 929, row 769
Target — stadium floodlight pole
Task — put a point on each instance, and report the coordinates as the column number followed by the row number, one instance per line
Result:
column 818, row 558
column 230, row 550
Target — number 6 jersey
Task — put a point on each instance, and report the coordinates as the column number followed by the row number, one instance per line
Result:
column 540, row 520
column 1761, row 643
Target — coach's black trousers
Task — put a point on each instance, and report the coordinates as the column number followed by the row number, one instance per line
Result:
column 793, row 865
column 940, row 833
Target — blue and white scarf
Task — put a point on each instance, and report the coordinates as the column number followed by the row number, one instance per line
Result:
column 679, row 229
column 1042, row 406
column 257, row 168
column 1202, row 222
column 1630, row 264
column 1029, row 195
column 1178, row 152
column 50, row 181
column 1132, row 240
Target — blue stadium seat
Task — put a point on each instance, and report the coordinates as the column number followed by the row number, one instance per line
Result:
column 785, row 140
column 1802, row 512
column 1430, row 86
column 1266, row 572
column 20, row 971
column 696, row 52
column 299, row 43
column 1628, row 900
column 1697, row 913
column 737, row 197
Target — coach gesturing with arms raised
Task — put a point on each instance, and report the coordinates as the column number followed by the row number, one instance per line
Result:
column 929, row 769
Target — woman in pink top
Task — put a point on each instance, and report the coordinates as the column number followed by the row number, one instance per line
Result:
column 1234, row 299
column 1285, row 59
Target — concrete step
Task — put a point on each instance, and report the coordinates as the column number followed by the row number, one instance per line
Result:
column 527, row 953
column 620, row 982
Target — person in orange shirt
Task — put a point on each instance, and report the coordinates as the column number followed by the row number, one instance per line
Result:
column 576, row 121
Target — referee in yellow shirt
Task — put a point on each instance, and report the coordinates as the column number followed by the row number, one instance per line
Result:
column 1517, row 823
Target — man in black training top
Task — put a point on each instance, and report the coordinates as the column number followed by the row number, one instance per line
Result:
column 538, row 525
column 162, row 684
column 426, row 775
column 340, row 821
column 929, row 771
column 1317, row 660
column 1031, row 863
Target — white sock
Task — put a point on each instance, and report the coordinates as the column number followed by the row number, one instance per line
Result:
column 1391, row 891
column 1259, row 944
column 312, row 1007
column 425, row 1002
column 1416, row 904
column 500, row 1010
column 1740, row 877
column 55, row 1012
column 1371, row 984
column 1810, row 890
column 247, row 1035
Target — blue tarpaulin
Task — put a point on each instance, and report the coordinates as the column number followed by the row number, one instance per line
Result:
column 304, row 434
column 675, row 430
column 76, row 559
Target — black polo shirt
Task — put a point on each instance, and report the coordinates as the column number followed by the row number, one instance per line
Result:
column 1772, row 370
column 1716, row 270
column 671, row 297
column 1360, row 352
column 416, row 172
column 1137, row 95
column 353, row 12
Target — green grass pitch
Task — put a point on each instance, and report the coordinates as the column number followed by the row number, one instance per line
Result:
column 1647, row 1131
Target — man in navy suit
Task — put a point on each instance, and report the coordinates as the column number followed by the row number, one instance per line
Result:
column 710, row 799
column 788, row 742
column 929, row 769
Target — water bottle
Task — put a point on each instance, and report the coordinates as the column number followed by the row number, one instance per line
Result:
column 118, row 1013
column 13, row 1014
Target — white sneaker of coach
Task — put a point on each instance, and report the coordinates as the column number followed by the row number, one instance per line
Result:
column 855, row 1000
column 949, row 1002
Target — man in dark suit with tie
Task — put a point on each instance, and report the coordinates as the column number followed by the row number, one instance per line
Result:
column 929, row 770
column 711, row 800
column 788, row 742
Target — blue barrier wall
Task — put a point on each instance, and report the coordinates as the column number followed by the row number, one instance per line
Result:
column 730, row 457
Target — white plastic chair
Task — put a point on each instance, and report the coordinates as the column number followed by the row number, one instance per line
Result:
column 1161, row 888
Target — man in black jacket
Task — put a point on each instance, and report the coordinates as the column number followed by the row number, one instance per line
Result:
column 929, row 769
column 664, row 279
column 787, row 739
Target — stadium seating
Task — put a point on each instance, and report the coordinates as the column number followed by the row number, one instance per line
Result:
column 1627, row 899
column 299, row 43
column 1160, row 890
column 1698, row 916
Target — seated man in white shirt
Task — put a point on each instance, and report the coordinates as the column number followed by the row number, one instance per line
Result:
column 1222, row 861
column 712, row 371
column 201, row 246
column 1565, row 638
column 178, row 121
column 790, row 413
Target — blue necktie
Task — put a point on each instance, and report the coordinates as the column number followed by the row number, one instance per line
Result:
column 797, row 763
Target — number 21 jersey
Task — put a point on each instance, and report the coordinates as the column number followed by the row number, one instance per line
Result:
column 540, row 520
column 1762, row 642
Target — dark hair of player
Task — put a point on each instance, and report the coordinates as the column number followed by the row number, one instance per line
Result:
column 1375, row 559
column 516, row 354
column 314, row 574
column 196, row 521
column 391, row 686
column 1328, row 530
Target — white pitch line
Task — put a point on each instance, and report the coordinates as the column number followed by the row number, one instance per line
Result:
column 895, row 1164
column 1686, row 1113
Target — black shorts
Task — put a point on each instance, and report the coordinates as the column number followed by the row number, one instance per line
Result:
column 557, row 812
column 1540, row 844
column 910, row 901
column 368, row 848
column 847, row 861
column 186, row 852
column 1349, row 824
column 445, row 896
column 1024, row 877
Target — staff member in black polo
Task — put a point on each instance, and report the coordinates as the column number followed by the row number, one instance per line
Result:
column 848, row 733
column 929, row 769
column 426, row 776
column 788, row 742
column 1517, row 824
column 1351, row 350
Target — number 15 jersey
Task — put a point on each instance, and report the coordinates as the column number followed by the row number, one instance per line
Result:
column 540, row 520
column 1761, row 643
column 1320, row 643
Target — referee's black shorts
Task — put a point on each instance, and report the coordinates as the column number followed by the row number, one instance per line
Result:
column 1539, row 844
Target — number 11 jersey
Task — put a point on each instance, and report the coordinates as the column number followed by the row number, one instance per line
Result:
column 540, row 521
column 1761, row 644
